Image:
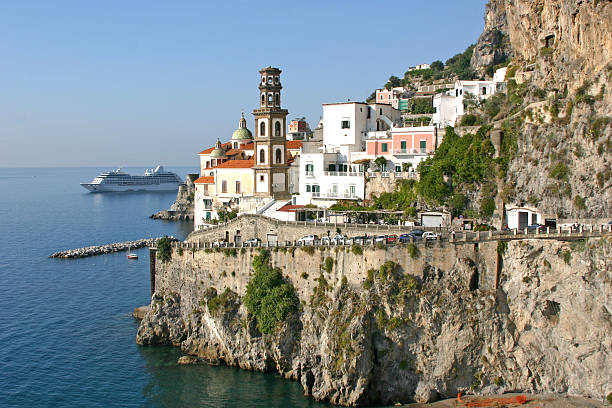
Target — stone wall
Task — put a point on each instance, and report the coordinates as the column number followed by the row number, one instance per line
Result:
column 376, row 184
column 251, row 226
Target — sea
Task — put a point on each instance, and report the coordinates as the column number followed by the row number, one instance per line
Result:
column 67, row 336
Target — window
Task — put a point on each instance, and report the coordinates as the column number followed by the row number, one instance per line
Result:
column 270, row 80
column 308, row 188
column 381, row 111
column 263, row 99
column 276, row 80
column 235, row 145
column 398, row 169
column 403, row 146
column 270, row 98
column 309, row 168
column 208, row 164
column 423, row 145
column 352, row 190
column 331, row 167
column 384, row 148
column 261, row 178
column 263, row 79
column 238, row 187
column 279, row 159
column 262, row 156
column 277, row 99
column 277, row 129
column 346, row 124
column 484, row 90
column 262, row 129
column 369, row 112
column 224, row 186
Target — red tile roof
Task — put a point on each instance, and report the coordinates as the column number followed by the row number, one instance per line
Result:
column 294, row 144
column 289, row 208
column 237, row 164
column 205, row 180
column 225, row 146
column 250, row 146
column 233, row 152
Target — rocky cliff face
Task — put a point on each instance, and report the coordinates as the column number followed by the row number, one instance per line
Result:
column 560, row 76
column 183, row 207
column 394, row 337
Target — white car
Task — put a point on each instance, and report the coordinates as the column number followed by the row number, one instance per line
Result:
column 325, row 241
column 430, row 236
column 252, row 242
column 381, row 239
column 308, row 240
column 338, row 239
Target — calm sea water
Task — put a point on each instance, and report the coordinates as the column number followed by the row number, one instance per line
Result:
column 67, row 338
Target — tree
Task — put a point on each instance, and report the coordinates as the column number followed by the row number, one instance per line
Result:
column 393, row 82
column 437, row 65
column 164, row 249
column 380, row 162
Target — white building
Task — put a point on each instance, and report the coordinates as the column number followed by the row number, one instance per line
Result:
column 520, row 217
column 328, row 171
column 449, row 107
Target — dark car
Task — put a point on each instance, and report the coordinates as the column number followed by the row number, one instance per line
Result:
column 404, row 238
column 417, row 232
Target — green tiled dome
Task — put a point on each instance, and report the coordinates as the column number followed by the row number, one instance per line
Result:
column 242, row 133
column 218, row 151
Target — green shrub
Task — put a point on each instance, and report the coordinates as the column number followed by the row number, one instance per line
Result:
column 329, row 264
column 487, row 207
column 268, row 297
column 179, row 251
column 470, row 120
column 413, row 251
column 579, row 202
column 308, row 249
column 357, row 249
column 501, row 247
column 367, row 284
column 220, row 302
column 498, row 381
column 304, row 275
column 567, row 256
column 164, row 249
column 609, row 398
column 559, row 171
column 403, row 365
column 230, row 251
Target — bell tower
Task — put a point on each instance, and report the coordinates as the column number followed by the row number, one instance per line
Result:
column 271, row 169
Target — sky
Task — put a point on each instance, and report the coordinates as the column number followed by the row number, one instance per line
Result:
column 140, row 83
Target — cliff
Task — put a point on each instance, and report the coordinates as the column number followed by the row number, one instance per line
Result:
column 388, row 326
column 560, row 92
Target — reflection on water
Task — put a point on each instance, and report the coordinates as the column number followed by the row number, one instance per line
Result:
column 201, row 385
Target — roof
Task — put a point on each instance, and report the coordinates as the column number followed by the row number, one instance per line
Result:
column 236, row 164
column 289, row 208
column 294, row 144
column 250, row 146
column 205, row 180
column 210, row 149
column 232, row 152
column 242, row 134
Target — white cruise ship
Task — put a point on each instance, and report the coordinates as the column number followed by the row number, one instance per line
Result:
column 153, row 180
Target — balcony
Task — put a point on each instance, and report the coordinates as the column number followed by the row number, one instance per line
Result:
column 409, row 151
column 336, row 195
column 310, row 174
column 379, row 134
column 342, row 173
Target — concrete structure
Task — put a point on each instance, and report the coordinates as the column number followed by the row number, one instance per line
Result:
column 521, row 217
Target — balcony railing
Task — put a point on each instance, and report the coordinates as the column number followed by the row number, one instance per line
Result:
column 337, row 195
column 343, row 173
column 309, row 173
column 408, row 151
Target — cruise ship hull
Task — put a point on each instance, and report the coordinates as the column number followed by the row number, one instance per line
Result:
column 103, row 188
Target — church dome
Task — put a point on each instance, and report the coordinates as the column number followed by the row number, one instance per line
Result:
column 218, row 151
column 242, row 133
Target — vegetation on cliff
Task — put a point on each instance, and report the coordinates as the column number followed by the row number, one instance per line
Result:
column 164, row 249
column 269, row 298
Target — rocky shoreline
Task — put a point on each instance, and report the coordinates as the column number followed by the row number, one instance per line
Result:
column 106, row 248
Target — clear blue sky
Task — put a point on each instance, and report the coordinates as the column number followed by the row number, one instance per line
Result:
column 110, row 83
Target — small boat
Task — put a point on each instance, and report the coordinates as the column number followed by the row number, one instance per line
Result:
column 131, row 255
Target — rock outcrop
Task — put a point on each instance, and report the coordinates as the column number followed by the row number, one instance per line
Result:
column 560, row 86
column 182, row 209
column 394, row 337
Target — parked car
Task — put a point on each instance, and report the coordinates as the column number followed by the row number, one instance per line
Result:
column 348, row 241
column 380, row 239
column 308, row 240
column 403, row 238
column 417, row 232
column 325, row 241
column 252, row 242
column 430, row 236
column 535, row 228
column 338, row 239
column 219, row 242
column 391, row 239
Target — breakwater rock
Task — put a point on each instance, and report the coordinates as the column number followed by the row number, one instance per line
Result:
column 106, row 248
column 384, row 325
